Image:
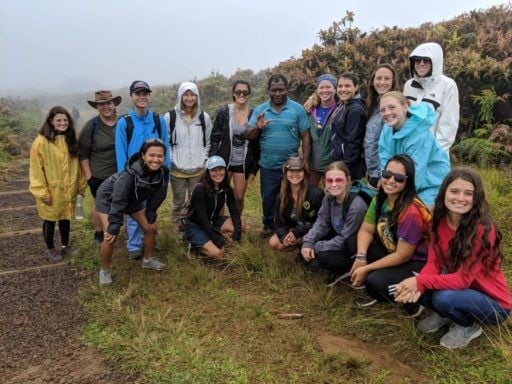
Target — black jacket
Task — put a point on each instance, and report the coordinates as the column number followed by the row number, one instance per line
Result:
column 284, row 223
column 129, row 189
column 205, row 208
column 348, row 129
column 221, row 141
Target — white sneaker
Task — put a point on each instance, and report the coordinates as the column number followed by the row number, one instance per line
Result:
column 459, row 336
column 105, row 277
column 153, row 264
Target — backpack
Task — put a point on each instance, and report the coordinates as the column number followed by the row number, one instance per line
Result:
column 129, row 126
column 172, row 125
column 358, row 188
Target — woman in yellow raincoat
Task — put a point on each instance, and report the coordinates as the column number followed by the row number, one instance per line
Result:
column 56, row 178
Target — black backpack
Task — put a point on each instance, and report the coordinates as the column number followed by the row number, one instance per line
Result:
column 172, row 125
column 157, row 127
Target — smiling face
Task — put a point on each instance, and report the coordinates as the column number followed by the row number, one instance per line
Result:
column 346, row 89
column 336, row 184
column 423, row 66
column 217, row 174
column 393, row 113
column 458, row 198
column 325, row 92
column 60, row 122
column 154, row 158
column 383, row 81
column 106, row 109
column 277, row 93
column 141, row 99
column 189, row 100
column 391, row 186
column 295, row 176
column 241, row 94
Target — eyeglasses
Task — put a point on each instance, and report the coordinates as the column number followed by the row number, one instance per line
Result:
column 399, row 178
column 426, row 60
column 338, row 180
column 240, row 93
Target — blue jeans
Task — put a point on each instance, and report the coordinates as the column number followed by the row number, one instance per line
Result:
column 465, row 306
column 134, row 234
column 270, row 183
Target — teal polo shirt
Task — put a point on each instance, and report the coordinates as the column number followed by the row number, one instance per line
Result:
column 280, row 139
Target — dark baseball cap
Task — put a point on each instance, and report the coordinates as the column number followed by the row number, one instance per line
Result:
column 139, row 85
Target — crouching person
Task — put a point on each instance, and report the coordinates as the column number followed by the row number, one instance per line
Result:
column 138, row 191
column 204, row 226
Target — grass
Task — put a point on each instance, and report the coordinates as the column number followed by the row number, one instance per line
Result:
column 195, row 323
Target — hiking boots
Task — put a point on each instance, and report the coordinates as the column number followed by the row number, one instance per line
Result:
column 53, row 255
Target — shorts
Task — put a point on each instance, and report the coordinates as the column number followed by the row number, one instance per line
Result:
column 94, row 183
column 197, row 236
column 236, row 168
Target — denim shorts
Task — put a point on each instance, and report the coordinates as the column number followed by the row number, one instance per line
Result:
column 197, row 236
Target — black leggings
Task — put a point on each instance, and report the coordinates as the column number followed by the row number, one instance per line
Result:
column 49, row 230
column 338, row 261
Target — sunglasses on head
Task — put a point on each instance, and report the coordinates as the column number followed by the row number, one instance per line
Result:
column 148, row 141
column 426, row 60
column 399, row 178
column 240, row 93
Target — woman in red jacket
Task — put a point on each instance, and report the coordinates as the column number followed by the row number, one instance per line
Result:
column 462, row 281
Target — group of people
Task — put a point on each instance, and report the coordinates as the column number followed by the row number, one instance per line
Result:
column 378, row 234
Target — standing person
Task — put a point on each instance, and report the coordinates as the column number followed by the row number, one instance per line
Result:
column 428, row 84
column 407, row 131
column 56, row 178
column 190, row 130
column 321, row 118
column 348, row 127
column 331, row 240
column 229, row 142
column 132, row 130
column 137, row 191
column 280, row 124
column 76, row 115
column 463, row 281
column 393, row 239
column 383, row 80
column 96, row 148
column 297, row 206
column 204, row 226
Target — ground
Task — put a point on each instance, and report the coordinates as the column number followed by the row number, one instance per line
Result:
column 41, row 316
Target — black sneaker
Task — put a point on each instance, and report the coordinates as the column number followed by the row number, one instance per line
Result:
column 335, row 278
column 365, row 300
column 313, row 266
column 413, row 309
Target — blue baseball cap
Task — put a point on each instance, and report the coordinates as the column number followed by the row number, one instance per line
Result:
column 214, row 162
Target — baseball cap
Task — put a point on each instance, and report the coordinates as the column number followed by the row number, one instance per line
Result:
column 139, row 85
column 214, row 162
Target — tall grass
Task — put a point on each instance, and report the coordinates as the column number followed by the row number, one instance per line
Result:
column 195, row 323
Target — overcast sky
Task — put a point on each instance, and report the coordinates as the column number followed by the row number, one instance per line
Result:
column 88, row 44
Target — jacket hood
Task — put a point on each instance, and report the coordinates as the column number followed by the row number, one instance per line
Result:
column 420, row 118
column 432, row 51
column 184, row 87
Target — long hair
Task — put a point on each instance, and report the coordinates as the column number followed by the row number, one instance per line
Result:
column 48, row 130
column 340, row 166
column 207, row 182
column 461, row 246
column 407, row 196
column 285, row 194
column 372, row 98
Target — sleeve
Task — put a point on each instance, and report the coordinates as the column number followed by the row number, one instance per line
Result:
column 85, row 141
column 218, row 127
column 371, row 213
column 121, row 144
column 411, row 226
column 418, row 148
column 164, row 131
column 120, row 201
column 355, row 126
column 38, row 185
column 355, row 216
column 385, row 147
column 154, row 201
column 208, row 134
column 198, row 204
column 322, row 225
column 449, row 117
column 304, row 121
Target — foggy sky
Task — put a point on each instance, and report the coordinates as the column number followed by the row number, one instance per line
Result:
column 81, row 45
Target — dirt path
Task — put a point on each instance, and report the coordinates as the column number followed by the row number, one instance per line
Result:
column 40, row 315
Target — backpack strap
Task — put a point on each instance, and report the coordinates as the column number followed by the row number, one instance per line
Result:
column 203, row 125
column 157, row 127
column 172, row 125
column 94, row 130
column 348, row 202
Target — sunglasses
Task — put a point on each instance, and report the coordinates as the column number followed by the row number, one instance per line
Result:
column 426, row 60
column 338, row 180
column 148, row 141
column 240, row 93
column 399, row 178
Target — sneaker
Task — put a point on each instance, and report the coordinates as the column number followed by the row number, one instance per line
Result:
column 413, row 310
column 335, row 278
column 313, row 266
column 153, row 264
column 53, row 255
column 98, row 237
column 432, row 323
column 365, row 300
column 135, row 255
column 67, row 251
column 459, row 336
column 105, row 277
column 266, row 231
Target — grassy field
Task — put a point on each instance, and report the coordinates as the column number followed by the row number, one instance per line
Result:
column 197, row 323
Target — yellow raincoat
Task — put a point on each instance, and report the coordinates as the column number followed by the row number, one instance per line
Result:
column 54, row 173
